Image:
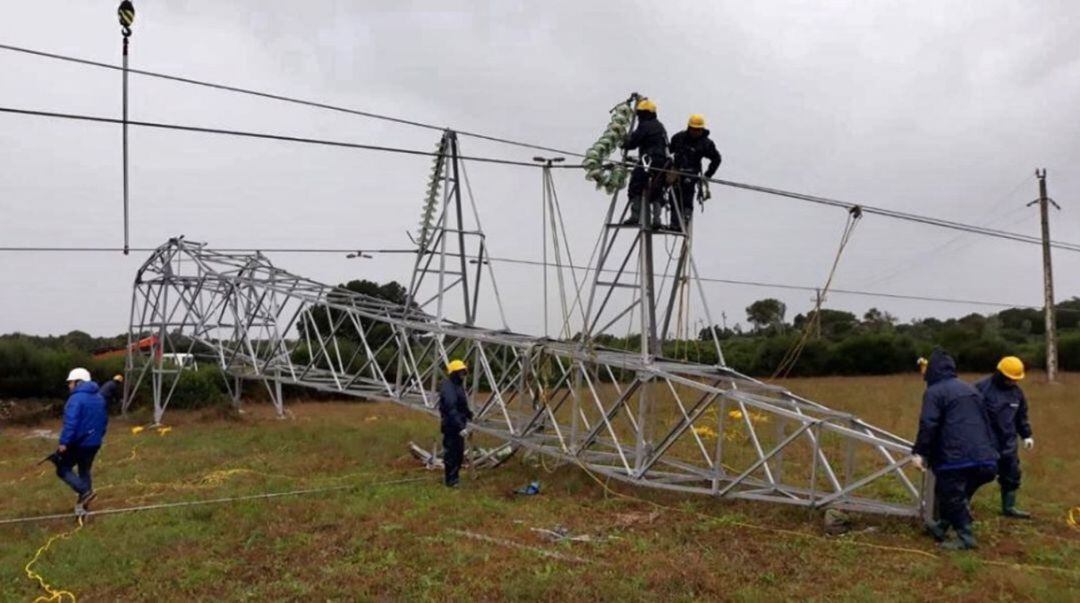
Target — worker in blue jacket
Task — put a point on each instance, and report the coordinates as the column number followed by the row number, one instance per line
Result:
column 455, row 414
column 1008, row 411
column 956, row 440
column 112, row 391
column 85, row 421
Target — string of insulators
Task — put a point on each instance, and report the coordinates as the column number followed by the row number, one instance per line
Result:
column 608, row 176
column 427, row 216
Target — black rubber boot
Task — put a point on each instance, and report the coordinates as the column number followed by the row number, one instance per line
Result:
column 1008, row 506
column 635, row 213
column 965, row 540
column 938, row 529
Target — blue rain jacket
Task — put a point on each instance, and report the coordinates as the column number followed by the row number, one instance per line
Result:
column 453, row 405
column 85, row 418
column 1008, row 411
column 954, row 429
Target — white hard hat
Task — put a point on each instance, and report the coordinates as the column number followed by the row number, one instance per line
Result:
column 79, row 374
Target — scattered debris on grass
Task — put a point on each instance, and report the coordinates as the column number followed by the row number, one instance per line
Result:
column 561, row 533
column 836, row 522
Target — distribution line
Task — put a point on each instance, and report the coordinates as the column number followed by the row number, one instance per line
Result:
column 281, row 97
column 372, row 115
column 846, row 205
column 258, row 135
column 523, row 262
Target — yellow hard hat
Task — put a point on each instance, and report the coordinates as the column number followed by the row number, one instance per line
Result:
column 455, row 366
column 646, row 105
column 696, row 120
column 1012, row 367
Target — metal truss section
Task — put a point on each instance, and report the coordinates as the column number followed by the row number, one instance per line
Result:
column 645, row 420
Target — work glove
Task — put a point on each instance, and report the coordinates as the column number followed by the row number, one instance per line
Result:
column 1029, row 443
column 919, row 462
column 464, row 432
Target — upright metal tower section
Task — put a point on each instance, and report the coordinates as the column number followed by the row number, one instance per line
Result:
column 655, row 290
column 443, row 250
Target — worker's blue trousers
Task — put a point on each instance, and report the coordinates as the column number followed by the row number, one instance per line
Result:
column 81, row 458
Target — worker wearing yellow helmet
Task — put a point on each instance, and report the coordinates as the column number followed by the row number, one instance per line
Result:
column 650, row 139
column 1007, row 408
column 690, row 147
column 455, row 414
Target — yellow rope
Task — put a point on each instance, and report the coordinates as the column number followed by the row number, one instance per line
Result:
column 55, row 596
column 1073, row 518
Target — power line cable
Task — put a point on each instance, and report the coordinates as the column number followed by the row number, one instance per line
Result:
column 517, row 261
column 278, row 97
column 257, row 135
column 869, row 209
column 352, row 145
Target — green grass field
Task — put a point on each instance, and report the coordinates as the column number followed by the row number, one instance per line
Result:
column 415, row 540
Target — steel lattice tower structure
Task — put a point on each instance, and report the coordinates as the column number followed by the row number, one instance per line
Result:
column 695, row 428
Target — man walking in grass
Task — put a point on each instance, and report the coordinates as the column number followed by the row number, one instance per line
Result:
column 1008, row 410
column 455, row 414
column 85, row 421
column 955, row 439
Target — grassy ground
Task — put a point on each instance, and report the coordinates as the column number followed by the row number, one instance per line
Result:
column 406, row 541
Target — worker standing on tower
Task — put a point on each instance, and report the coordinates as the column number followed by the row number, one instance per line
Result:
column 956, row 440
column 455, row 414
column 646, row 181
column 690, row 147
column 1008, row 411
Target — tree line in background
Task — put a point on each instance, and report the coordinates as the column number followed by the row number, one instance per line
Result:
column 832, row 342
column 841, row 343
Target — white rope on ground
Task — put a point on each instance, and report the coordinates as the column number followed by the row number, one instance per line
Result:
column 212, row 501
column 517, row 545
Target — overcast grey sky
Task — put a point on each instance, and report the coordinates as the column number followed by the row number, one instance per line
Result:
column 939, row 108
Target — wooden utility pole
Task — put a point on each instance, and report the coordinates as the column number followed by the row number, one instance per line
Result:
column 1048, row 277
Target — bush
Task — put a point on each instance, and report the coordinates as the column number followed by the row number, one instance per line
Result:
column 33, row 371
column 200, row 388
column 1068, row 352
column 873, row 354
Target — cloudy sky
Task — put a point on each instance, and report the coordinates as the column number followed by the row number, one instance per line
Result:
column 943, row 109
